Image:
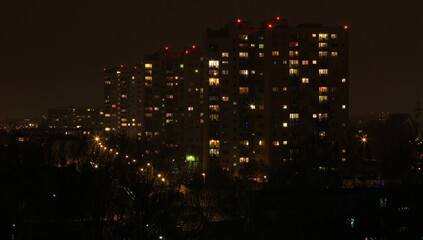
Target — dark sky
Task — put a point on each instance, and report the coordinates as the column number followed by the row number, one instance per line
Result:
column 52, row 53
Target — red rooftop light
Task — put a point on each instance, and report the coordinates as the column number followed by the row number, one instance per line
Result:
column 346, row 27
column 193, row 46
column 135, row 67
column 121, row 66
column 104, row 69
column 238, row 20
column 278, row 18
column 186, row 51
column 270, row 25
column 166, row 48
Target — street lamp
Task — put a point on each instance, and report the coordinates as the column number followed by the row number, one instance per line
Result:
column 204, row 178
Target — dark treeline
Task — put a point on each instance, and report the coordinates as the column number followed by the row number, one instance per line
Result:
column 64, row 188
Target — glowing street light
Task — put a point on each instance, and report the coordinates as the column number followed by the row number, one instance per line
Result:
column 97, row 139
column 204, row 178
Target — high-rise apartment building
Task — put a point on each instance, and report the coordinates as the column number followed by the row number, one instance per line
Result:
column 173, row 96
column 270, row 95
column 123, row 111
column 275, row 93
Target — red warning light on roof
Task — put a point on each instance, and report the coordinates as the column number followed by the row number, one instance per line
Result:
column 346, row 27
column 104, row 69
column 238, row 20
column 186, row 51
column 121, row 66
column 135, row 67
column 270, row 25
column 193, row 46
column 166, row 48
column 278, row 18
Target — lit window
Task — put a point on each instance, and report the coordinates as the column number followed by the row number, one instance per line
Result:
column 323, row 54
column 323, row 90
column 344, row 150
column 243, row 159
column 214, row 152
column 148, row 78
column 323, row 45
column 261, row 54
column 293, row 72
column 243, row 54
column 323, row 36
column 243, row 37
column 261, row 45
column 334, row 54
column 293, row 63
column 275, row 53
column 344, row 106
column 285, row 124
column 314, row 61
column 148, row 66
column 214, row 117
column 304, row 62
column 225, row 54
column 294, row 116
column 344, row 80
column 343, row 159
column 304, row 80
column 243, row 90
column 275, row 143
column 225, row 99
column 314, row 115
column 333, row 36
column 293, row 44
column 275, row 89
column 214, row 64
column 253, row 45
column 213, row 81
column 214, row 143
column 244, row 142
column 133, row 77
column 284, row 89
column 313, row 35
column 323, row 99
column 285, row 106
column 225, row 72
column 190, row 108
column 285, row 142
column 243, row 72
column 293, row 53
column 214, row 108
column 323, row 72
column 213, row 72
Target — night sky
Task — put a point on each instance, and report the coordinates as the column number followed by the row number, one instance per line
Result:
column 52, row 53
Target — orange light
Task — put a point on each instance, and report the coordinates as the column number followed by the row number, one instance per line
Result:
column 346, row 27
column 238, row 20
column 139, row 124
column 166, row 48
column 270, row 25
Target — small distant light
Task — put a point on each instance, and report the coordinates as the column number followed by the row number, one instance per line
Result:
column 97, row 139
column 346, row 27
column 163, row 179
column 104, row 69
column 193, row 46
column 121, row 66
column 270, row 25
column 160, row 237
column 364, row 139
column 186, row 51
column 166, row 48
column 13, row 225
column 53, row 195
column 278, row 18
column 135, row 67
column 238, row 20
column 159, row 175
